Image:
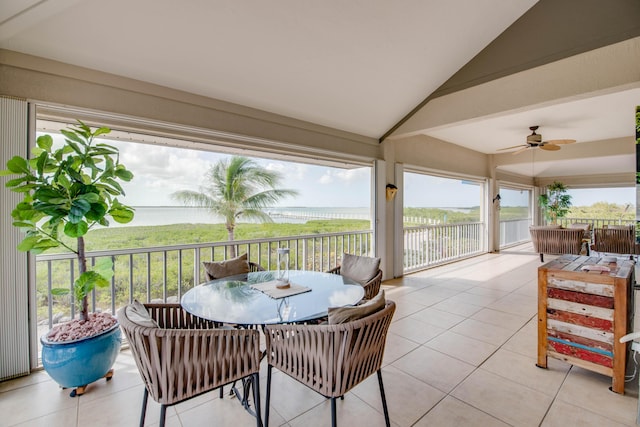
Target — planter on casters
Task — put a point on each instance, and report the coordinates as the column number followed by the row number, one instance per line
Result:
column 81, row 362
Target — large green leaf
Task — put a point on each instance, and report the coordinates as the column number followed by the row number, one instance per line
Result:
column 76, row 229
column 86, row 282
column 23, row 188
column 114, row 186
column 15, row 182
column 59, row 291
column 123, row 173
column 121, row 215
column 73, row 137
column 50, row 209
column 27, row 243
column 101, row 131
column 104, row 267
column 79, row 207
column 47, row 193
column 42, row 162
column 90, row 197
column 97, row 212
column 18, row 164
column 43, row 244
column 23, row 224
column 45, row 142
column 75, row 147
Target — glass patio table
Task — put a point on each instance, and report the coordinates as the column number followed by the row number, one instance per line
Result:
column 233, row 300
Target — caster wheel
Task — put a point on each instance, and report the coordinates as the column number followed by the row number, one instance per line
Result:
column 78, row 391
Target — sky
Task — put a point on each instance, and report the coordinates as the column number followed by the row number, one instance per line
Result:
column 160, row 170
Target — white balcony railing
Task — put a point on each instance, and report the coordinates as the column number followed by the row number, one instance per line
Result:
column 430, row 245
column 514, row 231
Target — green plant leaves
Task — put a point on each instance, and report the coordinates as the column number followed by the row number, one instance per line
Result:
column 18, row 165
column 45, row 142
column 68, row 190
column 79, row 207
column 78, row 229
column 36, row 244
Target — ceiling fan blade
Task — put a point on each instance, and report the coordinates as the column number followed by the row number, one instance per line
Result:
column 511, row 148
column 560, row 141
column 549, row 147
column 524, row 148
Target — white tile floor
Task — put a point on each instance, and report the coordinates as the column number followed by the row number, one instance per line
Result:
column 461, row 352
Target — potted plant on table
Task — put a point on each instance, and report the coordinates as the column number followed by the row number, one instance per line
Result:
column 67, row 191
column 555, row 203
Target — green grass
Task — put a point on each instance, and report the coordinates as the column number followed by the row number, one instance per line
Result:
column 176, row 234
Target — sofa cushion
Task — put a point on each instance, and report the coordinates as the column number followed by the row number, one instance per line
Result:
column 138, row 314
column 229, row 267
column 359, row 268
column 354, row 312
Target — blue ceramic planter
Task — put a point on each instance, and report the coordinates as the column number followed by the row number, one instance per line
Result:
column 81, row 362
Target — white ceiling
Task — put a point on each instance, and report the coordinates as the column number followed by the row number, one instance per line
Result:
column 358, row 66
column 597, row 118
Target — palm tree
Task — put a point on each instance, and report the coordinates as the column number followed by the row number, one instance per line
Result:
column 237, row 187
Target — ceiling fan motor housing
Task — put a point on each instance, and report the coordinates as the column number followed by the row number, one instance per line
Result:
column 534, row 138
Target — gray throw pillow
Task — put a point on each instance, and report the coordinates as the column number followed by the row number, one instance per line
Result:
column 349, row 313
column 138, row 314
column 230, row 267
column 359, row 268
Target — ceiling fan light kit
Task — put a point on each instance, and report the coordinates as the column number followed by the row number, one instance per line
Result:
column 535, row 141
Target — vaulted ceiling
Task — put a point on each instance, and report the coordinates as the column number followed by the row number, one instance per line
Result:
column 371, row 67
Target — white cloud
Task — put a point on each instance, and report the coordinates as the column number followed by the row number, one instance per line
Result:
column 327, row 178
column 344, row 176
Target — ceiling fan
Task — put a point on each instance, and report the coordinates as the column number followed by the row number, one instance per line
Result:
column 535, row 141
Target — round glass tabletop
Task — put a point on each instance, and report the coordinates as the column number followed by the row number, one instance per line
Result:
column 233, row 300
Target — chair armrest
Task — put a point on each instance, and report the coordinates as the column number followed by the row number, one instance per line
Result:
column 372, row 287
column 335, row 270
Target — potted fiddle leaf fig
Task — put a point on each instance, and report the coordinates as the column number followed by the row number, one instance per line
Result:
column 69, row 190
column 555, row 203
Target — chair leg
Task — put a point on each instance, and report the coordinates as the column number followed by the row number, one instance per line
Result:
column 333, row 412
column 268, row 398
column 163, row 415
column 145, row 397
column 256, row 398
column 384, row 399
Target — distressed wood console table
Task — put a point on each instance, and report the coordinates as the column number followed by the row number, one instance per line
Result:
column 582, row 314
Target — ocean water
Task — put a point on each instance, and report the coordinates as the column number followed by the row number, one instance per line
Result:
column 166, row 215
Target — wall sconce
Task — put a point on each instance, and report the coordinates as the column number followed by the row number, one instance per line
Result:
column 497, row 199
column 391, row 191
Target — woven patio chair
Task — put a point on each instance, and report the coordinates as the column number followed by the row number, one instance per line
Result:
column 615, row 240
column 371, row 287
column 330, row 359
column 185, row 356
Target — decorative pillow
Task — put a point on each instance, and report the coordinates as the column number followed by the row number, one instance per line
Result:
column 138, row 314
column 584, row 226
column 230, row 267
column 354, row 312
column 359, row 268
